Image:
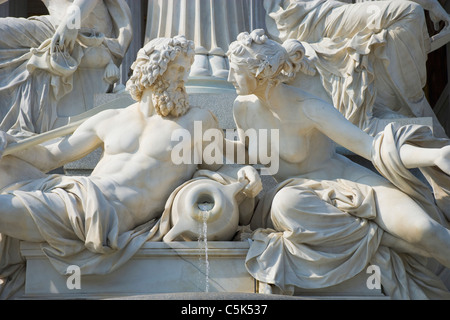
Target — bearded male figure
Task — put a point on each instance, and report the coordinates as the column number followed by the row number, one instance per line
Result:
column 99, row 222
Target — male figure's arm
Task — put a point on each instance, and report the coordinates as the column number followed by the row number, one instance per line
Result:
column 82, row 142
column 247, row 175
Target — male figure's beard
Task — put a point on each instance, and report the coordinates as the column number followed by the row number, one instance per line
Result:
column 170, row 100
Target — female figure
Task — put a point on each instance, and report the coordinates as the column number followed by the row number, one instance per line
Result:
column 371, row 56
column 329, row 217
column 51, row 66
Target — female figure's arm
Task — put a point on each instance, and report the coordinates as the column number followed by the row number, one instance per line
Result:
column 334, row 125
column 67, row 32
column 416, row 157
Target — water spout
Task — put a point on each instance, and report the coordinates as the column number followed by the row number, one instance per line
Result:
column 205, row 206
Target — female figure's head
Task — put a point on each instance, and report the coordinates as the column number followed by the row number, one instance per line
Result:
column 256, row 61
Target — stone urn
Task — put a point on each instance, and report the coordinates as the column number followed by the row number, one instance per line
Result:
column 205, row 208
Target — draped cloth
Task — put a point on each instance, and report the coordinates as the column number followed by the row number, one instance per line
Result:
column 319, row 233
column 80, row 225
column 371, row 56
column 33, row 80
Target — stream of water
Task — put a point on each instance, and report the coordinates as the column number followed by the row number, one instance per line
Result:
column 203, row 239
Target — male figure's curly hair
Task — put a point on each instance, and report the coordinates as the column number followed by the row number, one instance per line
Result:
column 152, row 61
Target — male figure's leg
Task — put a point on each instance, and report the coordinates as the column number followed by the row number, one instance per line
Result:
column 15, row 221
column 13, row 170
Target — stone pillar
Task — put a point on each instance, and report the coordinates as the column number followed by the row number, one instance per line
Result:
column 18, row 8
column 13, row 8
column 4, row 10
column 211, row 24
column 136, row 8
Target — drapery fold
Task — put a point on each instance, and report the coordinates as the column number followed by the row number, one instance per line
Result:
column 319, row 233
column 33, row 80
column 371, row 56
column 80, row 225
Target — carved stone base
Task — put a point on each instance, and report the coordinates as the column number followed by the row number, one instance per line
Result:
column 157, row 268
column 170, row 268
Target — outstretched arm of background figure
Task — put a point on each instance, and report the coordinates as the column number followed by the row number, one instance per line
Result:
column 67, row 32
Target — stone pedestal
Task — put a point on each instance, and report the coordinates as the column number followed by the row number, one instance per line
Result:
column 157, row 268
column 165, row 269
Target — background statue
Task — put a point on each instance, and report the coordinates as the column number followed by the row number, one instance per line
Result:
column 370, row 56
column 52, row 66
column 329, row 218
column 98, row 222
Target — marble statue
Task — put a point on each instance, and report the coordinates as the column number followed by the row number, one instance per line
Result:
column 205, row 202
column 370, row 56
column 385, row 52
column 98, row 222
column 51, row 66
column 329, row 218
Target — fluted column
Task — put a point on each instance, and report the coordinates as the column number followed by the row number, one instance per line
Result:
column 211, row 24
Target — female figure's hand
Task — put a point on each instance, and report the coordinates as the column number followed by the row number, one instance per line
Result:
column 254, row 186
column 64, row 38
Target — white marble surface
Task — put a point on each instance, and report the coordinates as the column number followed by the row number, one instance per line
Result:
column 167, row 268
column 312, row 231
column 61, row 60
column 156, row 268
